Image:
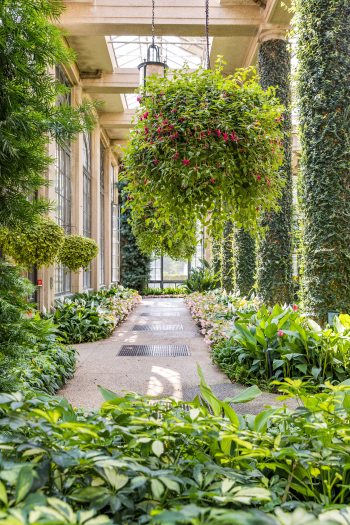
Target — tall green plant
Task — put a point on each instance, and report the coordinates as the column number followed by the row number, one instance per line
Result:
column 324, row 101
column 134, row 265
column 228, row 263
column 29, row 46
column 245, row 262
column 274, row 275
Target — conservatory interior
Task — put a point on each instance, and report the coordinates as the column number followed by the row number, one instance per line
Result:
column 174, row 262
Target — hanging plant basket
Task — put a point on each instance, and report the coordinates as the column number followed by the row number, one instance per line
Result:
column 77, row 252
column 35, row 244
column 207, row 146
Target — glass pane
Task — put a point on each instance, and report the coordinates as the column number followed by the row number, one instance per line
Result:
column 174, row 270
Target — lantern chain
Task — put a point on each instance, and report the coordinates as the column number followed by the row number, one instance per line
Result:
column 207, row 34
column 153, row 26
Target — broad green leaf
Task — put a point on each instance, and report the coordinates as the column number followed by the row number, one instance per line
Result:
column 24, row 483
column 108, row 395
column 3, row 493
column 249, row 394
column 117, row 481
column 157, row 448
column 157, row 488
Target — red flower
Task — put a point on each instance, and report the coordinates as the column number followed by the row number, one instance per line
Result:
column 218, row 132
column 173, row 110
column 295, row 307
column 212, row 180
column 209, row 132
column 225, row 137
column 146, row 130
column 159, row 130
column 233, row 137
column 165, row 122
column 185, row 162
column 155, row 162
column 176, row 155
column 258, row 177
column 145, row 115
column 280, row 333
column 139, row 98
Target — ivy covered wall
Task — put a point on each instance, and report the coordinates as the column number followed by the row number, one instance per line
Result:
column 134, row 266
column 227, row 258
column 245, row 262
column 324, row 102
column 274, row 276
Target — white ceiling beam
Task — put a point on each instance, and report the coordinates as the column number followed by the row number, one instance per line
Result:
column 122, row 120
column 173, row 17
column 123, row 80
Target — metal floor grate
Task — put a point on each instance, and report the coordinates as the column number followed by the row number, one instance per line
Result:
column 154, row 350
column 157, row 327
column 160, row 314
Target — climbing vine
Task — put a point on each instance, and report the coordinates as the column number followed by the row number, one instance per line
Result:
column 205, row 146
column 227, row 259
column 134, row 265
column 245, row 262
column 324, row 101
column 274, row 276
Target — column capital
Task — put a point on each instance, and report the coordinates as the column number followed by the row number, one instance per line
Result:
column 276, row 33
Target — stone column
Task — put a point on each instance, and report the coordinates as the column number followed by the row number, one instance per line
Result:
column 77, row 188
column 324, row 101
column 244, row 262
column 274, row 275
column 95, row 202
column 108, row 216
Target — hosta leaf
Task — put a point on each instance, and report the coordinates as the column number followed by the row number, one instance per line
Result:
column 24, row 483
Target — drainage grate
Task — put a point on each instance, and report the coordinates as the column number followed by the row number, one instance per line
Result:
column 160, row 314
column 157, row 327
column 154, row 350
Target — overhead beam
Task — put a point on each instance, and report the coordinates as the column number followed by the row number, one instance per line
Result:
column 122, row 120
column 173, row 17
column 123, row 80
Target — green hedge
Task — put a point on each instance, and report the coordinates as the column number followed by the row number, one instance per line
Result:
column 324, row 101
column 274, row 276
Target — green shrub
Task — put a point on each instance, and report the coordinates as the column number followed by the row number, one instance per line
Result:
column 281, row 343
column 87, row 317
column 202, row 279
column 138, row 461
column 180, row 290
column 77, row 252
column 35, row 244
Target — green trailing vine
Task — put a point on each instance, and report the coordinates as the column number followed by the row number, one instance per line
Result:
column 134, row 265
column 227, row 258
column 77, row 252
column 37, row 243
column 205, row 147
column 274, row 276
column 245, row 262
column 324, row 101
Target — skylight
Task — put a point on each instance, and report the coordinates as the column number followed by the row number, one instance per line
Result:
column 130, row 51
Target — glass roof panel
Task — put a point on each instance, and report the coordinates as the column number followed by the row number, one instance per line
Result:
column 130, row 51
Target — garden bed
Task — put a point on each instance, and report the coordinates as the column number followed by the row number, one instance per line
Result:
column 253, row 344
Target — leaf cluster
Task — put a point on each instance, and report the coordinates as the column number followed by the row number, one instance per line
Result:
column 205, row 147
column 77, row 252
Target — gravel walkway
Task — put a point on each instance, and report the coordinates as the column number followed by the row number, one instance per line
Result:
column 154, row 322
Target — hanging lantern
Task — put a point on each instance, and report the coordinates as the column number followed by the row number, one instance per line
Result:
column 152, row 65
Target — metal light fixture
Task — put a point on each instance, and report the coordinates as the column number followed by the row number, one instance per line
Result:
column 152, row 65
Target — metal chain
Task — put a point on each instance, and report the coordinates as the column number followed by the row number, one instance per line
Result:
column 153, row 27
column 207, row 34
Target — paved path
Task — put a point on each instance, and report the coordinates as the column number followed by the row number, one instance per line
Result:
column 169, row 323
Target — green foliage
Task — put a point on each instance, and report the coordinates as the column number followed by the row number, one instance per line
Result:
column 274, row 268
column 228, row 262
column 134, row 265
column 77, row 252
column 180, row 290
column 245, row 262
column 281, row 343
column 324, row 100
column 33, row 244
column 30, row 45
column 201, row 279
column 92, row 316
column 30, row 357
column 153, row 462
column 205, row 147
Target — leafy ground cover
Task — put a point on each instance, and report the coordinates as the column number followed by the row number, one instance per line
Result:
column 138, row 462
column 170, row 291
column 92, row 316
column 257, row 345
